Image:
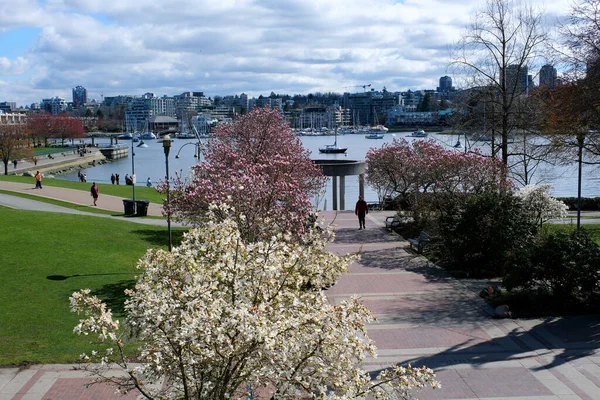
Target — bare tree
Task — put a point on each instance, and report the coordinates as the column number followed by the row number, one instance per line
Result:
column 504, row 40
column 572, row 111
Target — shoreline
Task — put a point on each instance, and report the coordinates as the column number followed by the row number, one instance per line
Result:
column 61, row 164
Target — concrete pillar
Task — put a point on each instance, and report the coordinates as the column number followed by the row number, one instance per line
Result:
column 342, row 192
column 334, row 203
column 361, row 185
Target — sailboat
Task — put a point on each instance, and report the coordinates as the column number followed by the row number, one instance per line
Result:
column 333, row 148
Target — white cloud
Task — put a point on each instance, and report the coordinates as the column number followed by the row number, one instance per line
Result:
column 230, row 46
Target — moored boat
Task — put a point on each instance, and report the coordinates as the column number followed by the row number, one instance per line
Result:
column 418, row 133
column 333, row 148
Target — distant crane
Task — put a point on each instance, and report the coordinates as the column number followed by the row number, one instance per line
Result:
column 356, row 86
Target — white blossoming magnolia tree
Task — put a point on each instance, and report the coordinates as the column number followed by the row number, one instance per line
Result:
column 221, row 318
column 540, row 205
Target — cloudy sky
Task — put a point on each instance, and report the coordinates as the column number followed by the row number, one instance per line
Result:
column 227, row 46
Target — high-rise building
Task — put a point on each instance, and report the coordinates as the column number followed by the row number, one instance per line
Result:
column 517, row 79
column 79, row 96
column 445, row 84
column 548, row 76
column 54, row 105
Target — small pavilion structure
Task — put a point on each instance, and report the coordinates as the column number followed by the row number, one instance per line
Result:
column 338, row 170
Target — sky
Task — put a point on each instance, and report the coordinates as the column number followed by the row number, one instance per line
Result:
column 227, row 47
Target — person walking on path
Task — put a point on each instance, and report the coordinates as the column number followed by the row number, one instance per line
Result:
column 361, row 209
column 38, row 180
column 117, row 178
column 112, row 179
column 15, row 163
column 94, row 190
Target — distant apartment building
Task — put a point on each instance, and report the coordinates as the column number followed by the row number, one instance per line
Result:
column 80, row 96
column 369, row 108
column 189, row 103
column 138, row 113
column 548, row 76
column 517, row 79
column 54, row 105
column 272, row 102
column 416, row 118
column 163, row 106
column 445, row 84
column 8, row 106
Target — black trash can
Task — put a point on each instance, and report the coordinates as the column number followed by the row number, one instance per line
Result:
column 142, row 208
column 129, row 206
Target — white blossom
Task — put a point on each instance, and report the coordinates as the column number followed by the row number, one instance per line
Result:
column 218, row 315
column 540, row 205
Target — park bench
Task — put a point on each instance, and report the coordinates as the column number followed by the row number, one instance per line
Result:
column 420, row 242
column 374, row 206
column 393, row 222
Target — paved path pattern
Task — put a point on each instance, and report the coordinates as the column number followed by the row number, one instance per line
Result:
column 425, row 317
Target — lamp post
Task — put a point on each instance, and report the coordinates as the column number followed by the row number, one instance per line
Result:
column 167, row 148
column 197, row 151
column 133, row 175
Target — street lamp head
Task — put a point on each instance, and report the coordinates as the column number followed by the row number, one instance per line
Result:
column 166, row 142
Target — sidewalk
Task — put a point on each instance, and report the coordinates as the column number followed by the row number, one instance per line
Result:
column 105, row 202
column 424, row 317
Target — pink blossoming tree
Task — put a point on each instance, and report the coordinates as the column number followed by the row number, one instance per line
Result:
column 258, row 167
column 426, row 174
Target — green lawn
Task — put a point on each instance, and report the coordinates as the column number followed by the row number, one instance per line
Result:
column 593, row 229
column 141, row 192
column 47, row 256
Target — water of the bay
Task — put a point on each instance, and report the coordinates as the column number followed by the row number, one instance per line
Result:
column 150, row 163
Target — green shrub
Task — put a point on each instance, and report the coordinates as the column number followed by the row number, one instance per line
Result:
column 565, row 264
column 479, row 234
column 587, row 203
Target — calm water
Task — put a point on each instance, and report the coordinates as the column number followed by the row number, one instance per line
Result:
column 150, row 163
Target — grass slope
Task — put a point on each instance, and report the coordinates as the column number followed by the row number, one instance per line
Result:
column 47, row 256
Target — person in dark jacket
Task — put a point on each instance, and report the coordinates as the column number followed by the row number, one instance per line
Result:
column 361, row 209
column 94, row 191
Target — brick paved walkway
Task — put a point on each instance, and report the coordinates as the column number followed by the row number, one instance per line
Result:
column 424, row 317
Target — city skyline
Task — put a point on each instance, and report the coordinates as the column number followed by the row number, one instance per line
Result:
column 50, row 47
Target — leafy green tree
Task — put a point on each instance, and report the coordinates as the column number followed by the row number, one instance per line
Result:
column 479, row 234
column 564, row 264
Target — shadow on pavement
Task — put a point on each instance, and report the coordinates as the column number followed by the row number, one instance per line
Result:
column 518, row 345
column 356, row 236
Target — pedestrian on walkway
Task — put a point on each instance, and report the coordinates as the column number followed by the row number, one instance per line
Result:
column 38, row 180
column 15, row 163
column 112, row 179
column 117, row 178
column 94, row 191
column 361, row 209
